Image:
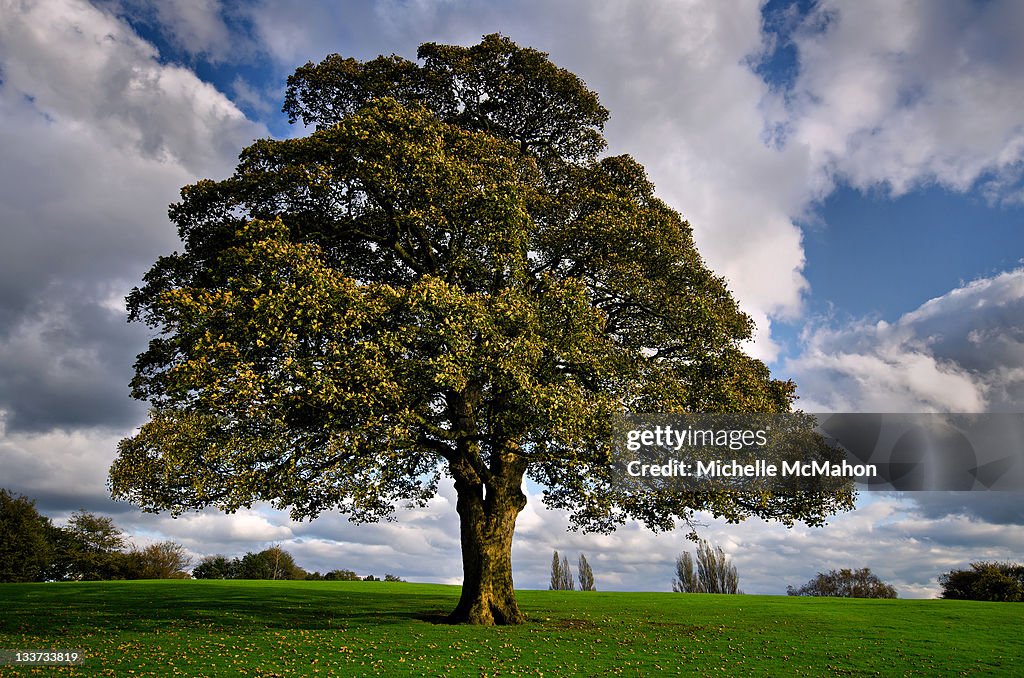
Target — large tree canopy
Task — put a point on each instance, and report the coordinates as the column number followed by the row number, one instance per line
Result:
column 443, row 279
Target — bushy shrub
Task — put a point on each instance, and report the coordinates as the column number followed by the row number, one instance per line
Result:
column 999, row 582
column 845, row 583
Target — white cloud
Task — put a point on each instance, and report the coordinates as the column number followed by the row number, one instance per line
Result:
column 911, row 92
column 86, row 70
column 198, row 27
column 960, row 352
column 98, row 137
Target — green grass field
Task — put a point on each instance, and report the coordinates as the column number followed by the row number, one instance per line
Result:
column 232, row 628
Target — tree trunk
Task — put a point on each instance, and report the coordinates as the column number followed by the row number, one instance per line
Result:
column 488, row 519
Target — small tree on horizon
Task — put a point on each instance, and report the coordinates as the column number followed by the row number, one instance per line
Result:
column 686, row 576
column 555, row 582
column 216, row 567
column 568, row 581
column 845, row 583
column 95, row 548
column 586, row 575
column 714, row 572
column 163, row 560
column 341, row 575
column 561, row 574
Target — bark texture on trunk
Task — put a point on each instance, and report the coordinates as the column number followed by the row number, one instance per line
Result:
column 488, row 520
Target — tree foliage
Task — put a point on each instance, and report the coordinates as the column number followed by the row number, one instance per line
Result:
column 163, row 560
column 586, row 575
column 561, row 574
column 94, row 548
column 686, row 576
column 89, row 547
column 999, row 582
column 26, row 548
column 714, row 572
column 845, row 583
column 270, row 563
column 443, row 278
column 216, row 567
column 342, row 575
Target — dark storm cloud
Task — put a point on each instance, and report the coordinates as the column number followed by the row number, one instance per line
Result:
column 65, row 364
column 58, row 505
column 997, row 508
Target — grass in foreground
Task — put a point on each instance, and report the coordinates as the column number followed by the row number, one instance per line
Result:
column 232, row 628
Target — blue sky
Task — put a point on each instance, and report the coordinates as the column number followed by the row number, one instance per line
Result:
column 853, row 169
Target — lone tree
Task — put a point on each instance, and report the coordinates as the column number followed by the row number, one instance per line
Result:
column 845, row 583
column 443, row 279
column 556, row 573
column 586, row 575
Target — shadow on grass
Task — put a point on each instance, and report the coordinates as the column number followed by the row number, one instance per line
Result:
column 71, row 608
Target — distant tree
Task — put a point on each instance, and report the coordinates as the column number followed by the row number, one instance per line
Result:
column 392, row 577
column 999, row 582
column 845, row 583
column 370, row 577
column 686, row 576
column 26, row 548
column 254, row 566
column 163, row 560
column 341, row 575
column 568, row 582
column 714, row 573
column 271, row 563
column 63, row 565
column 956, row 584
column 561, row 574
column 586, row 575
column 556, row 573
column 282, row 564
column 96, row 548
column 216, row 567
column 314, row 576
column 96, row 533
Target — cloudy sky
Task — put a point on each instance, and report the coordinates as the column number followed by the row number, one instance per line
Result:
column 854, row 169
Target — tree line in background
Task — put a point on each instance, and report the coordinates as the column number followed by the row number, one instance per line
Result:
column 92, row 547
column 272, row 563
column 562, row 578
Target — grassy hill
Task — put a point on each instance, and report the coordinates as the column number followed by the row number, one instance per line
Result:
column 231, row 628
